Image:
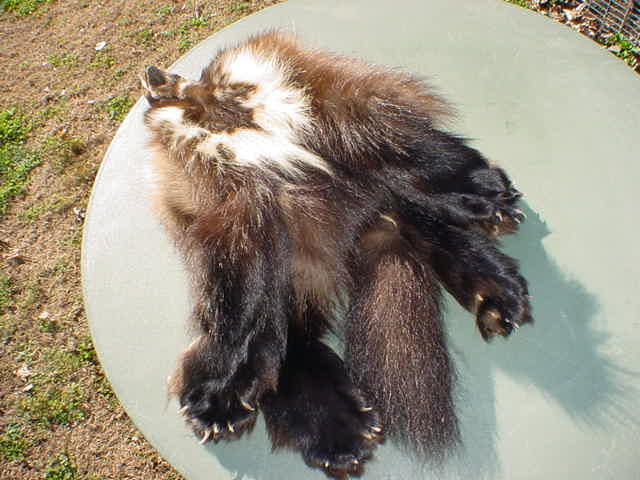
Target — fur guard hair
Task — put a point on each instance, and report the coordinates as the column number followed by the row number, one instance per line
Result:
column 300, row 187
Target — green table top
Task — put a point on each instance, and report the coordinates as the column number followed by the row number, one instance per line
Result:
column 559, row 399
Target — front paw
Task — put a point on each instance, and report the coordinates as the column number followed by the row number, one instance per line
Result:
column 216, row 402
column 490, row 216
column 217, row 410
column 502, row 219
column 502, row 312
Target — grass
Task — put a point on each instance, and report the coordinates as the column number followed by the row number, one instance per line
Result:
column 47, row 325
column 184, row 32
column 6, row 292
column 13, row 445
column 240, row 8
column 16, row 160
column 49, row 404
column 30, row 297
column 68, row 60
column 164, row 12
column 102, row 60
column 61, row 467
column 60, row 151
column 22, row 8
column 117, row 108
column 146, row 36
column 55, row 109
column 46, row 207
column 14, row 127
column 86, row 352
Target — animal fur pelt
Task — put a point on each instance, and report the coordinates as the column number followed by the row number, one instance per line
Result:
column 298, row 184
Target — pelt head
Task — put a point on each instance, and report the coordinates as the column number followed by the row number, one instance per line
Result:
column 244, row 112
column 214, row 106
column 160, row 85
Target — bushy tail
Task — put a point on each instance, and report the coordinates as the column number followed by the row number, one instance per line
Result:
column 396, row 347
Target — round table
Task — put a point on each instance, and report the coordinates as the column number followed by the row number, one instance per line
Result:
column 557, row 400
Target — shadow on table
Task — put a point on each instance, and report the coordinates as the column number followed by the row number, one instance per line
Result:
column 560, row 355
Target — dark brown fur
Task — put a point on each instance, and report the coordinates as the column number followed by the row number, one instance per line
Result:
column 358, row 203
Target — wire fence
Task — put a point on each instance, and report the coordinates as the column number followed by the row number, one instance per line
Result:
column 617, row 16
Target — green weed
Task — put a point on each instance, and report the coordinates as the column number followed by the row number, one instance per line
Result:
column 185, row 44
column 103, row 61
column 16, row 161
column 14, row 127
column 22, row 7
column 61, row 151
column 74, row 240
column 33, row 213
column 165, row 11
column 13, row 444
column 240, row 8
column 117, row 108
column 30, row 296
column 61, row 467
column 54, row 110
column 67, row 60
column 60, row 363
column 51, row 405
column 185, row 32
column 46, row 325
column 102, row 386
column 45, row 207
column 6, row 292
column 86, row 352
column 622, row 48
column 146, row 36
column 8, row 329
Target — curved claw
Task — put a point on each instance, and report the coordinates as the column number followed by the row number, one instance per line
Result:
column 519, row 216
column 205, row 437
column 247, row 406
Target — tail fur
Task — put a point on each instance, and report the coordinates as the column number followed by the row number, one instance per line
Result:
column 396, row 347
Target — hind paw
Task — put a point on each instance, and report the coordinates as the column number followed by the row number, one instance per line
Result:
column 342, row 450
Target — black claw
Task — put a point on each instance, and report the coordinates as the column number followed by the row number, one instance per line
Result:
column 509, row 196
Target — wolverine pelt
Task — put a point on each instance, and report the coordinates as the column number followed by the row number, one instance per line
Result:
column 310, row 192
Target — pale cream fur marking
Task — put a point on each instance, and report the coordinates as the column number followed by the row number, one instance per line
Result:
column 175, row 117
column 259, row 149
column 280, row 110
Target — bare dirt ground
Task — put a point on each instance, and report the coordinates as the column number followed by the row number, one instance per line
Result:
column 68, row 76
